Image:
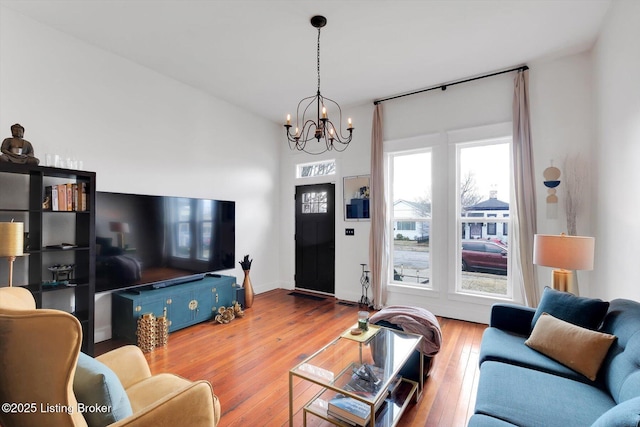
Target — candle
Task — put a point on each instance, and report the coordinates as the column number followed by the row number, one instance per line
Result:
column 288, row 119
column 331, row 133
column 324, row 112
column 349, row 123
column 296, row 131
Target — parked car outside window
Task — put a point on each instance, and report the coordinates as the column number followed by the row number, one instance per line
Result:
column 482, row 255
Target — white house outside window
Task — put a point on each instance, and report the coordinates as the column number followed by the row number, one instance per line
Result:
column 410, row 192
column 484, row 171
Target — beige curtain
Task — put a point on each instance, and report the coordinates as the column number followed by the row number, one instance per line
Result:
column 378, row 245
column 524, row 222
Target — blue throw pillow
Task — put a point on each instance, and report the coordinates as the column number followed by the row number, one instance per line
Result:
column 98, row 388
column 584, row 312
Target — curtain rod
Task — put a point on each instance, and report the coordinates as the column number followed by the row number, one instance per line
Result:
column 444, row 86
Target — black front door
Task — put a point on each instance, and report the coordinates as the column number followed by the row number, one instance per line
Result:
column 315, row 237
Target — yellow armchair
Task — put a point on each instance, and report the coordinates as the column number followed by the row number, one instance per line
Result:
column 38, row 356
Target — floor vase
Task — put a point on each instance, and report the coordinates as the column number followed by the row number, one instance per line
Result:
column 248, row 289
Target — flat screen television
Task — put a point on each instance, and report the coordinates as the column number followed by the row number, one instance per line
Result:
column 144, row 240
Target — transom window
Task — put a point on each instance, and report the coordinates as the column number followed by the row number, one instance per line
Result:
column 310, row 170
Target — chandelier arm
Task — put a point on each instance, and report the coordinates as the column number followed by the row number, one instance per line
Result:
column 304, row 111
column 340, row 138
column 339, row 129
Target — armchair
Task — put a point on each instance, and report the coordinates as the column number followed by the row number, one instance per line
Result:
column 39, row 351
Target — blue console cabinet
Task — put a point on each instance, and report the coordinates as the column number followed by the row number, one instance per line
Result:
column 186, row 304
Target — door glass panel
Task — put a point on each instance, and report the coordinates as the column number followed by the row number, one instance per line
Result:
column 314, row 202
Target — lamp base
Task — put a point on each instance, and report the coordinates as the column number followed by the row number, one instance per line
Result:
column 562, row 280
column 11, row 260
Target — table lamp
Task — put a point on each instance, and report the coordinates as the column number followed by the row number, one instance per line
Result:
column 565, row 254
column 120, row 228
column 11, row 243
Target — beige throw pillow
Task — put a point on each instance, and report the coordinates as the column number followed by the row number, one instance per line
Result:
column 580, row 349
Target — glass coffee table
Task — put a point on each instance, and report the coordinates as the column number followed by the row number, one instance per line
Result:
column 354, row 380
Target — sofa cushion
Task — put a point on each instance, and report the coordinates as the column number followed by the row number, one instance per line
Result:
column 580, row 349
column 95, row 385
column 585, row 312
column 152, row 389
column 620, row 373
column 530, row 398
column 625, row 414
column 507, row 347
column 481, row 420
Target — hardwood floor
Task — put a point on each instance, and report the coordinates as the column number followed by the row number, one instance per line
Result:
column 248, row 360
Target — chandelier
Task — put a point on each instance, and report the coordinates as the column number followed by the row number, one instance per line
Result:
column 320, row 127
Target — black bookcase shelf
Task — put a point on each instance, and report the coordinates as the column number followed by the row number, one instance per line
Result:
column 22, row 192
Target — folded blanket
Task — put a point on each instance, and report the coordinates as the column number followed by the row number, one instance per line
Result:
column 415, row 320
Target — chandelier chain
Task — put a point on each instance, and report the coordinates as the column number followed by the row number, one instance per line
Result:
column 318, row 59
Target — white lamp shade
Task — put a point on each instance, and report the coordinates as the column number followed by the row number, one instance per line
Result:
column 566, row 252
column 119, row 227
column 11, row 239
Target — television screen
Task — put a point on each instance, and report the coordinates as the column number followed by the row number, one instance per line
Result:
column 158, row 240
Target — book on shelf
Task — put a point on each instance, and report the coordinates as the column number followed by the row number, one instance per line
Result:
column 349, row 409
column 67, row 197
column 62, row 197
column 69, row 188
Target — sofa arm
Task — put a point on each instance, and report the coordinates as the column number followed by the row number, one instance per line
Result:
column 512, row 317
column 128, row 363
column 193, row 406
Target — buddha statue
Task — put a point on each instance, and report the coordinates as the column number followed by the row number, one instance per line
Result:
column 17, row 149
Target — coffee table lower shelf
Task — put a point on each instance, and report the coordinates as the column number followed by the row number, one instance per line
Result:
column 387, row 415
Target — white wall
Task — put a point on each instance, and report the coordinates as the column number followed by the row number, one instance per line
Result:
column 561, row 109
column 562, row 127
column 351, row 251
column 617, row 150
column 142, row 133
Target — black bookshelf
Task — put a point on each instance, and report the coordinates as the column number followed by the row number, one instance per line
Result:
column 23, row 189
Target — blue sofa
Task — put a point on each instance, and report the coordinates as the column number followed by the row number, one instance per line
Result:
column 520, row 386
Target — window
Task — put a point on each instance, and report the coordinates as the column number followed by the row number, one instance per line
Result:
column 491, row 226
column 309, row 170
column 406, row 225
column 410, row 198
column 314, row 202
column 483, row 173
column 182, row 248
column 205, row 225
column 187, row 231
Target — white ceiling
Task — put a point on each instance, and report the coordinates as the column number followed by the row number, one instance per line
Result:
column 261, row 54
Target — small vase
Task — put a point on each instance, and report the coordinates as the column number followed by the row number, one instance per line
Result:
column 248, row 290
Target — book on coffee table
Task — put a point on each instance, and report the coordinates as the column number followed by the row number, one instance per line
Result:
column 350, row 410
